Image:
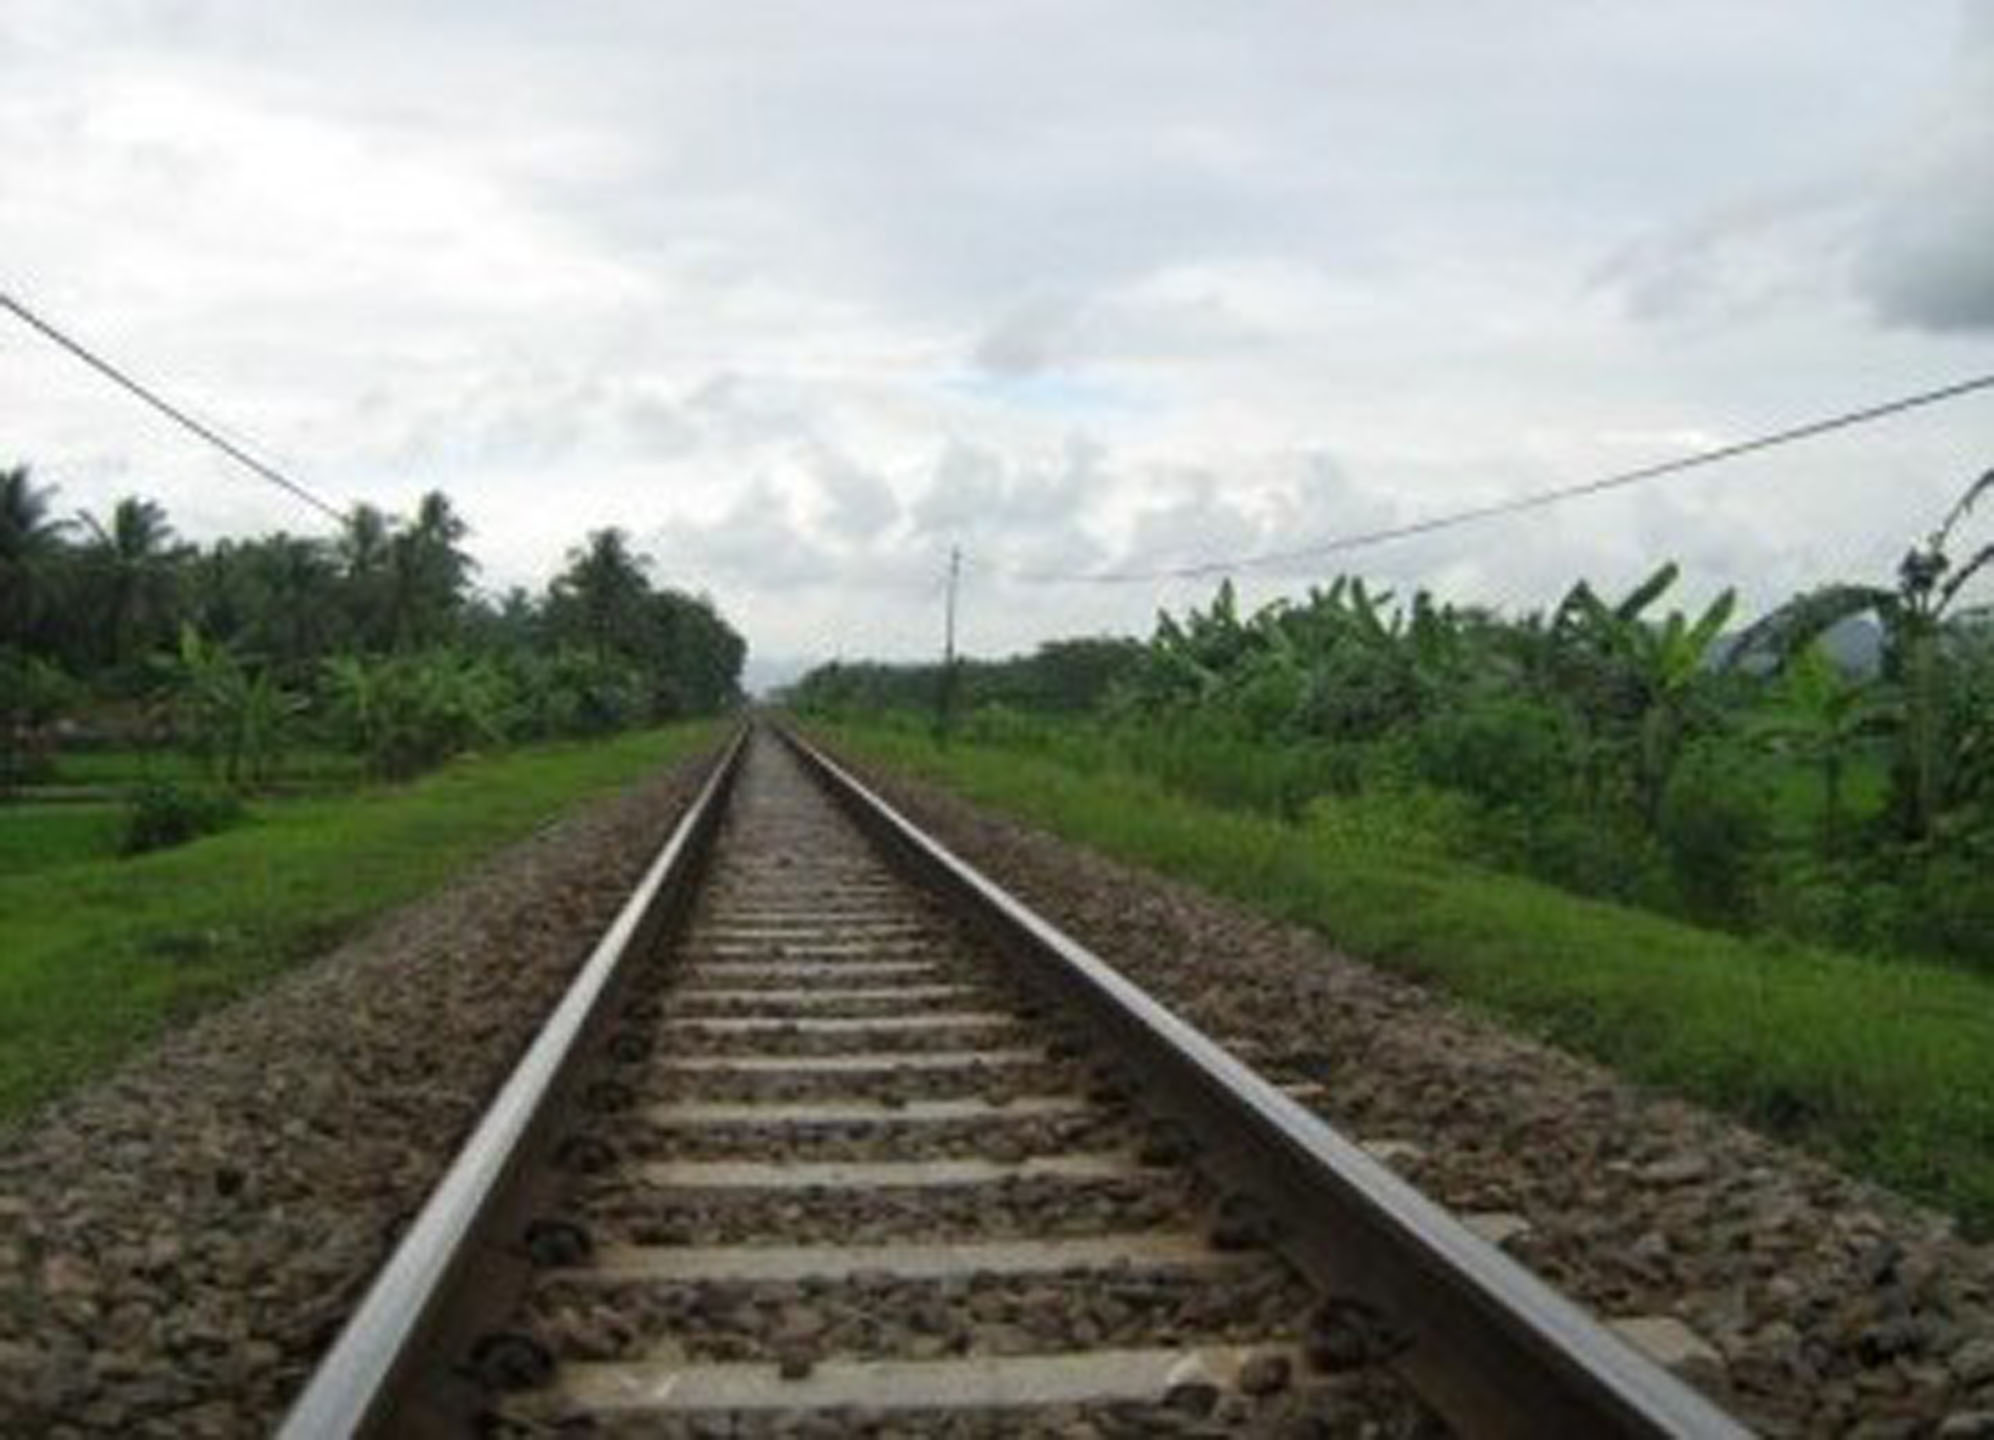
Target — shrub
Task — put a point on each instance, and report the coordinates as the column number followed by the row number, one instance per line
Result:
column 1602, row 854
column 408, row 713
column 1211, row 762
column 1949, row 905
column 33, row 694
column 573, row 692
column 162, row 814
column 1855, row 905
column 1715, row 826
column 1503, row 751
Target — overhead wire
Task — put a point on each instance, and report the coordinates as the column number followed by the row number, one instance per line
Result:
column 178, row 415
column 1519, row 504
column 1534, row 500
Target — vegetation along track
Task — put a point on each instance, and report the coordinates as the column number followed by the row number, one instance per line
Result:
column 831, row 1134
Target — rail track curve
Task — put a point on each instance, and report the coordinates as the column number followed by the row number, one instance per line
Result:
column 832, row 1134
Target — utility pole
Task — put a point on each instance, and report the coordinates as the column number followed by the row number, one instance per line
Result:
column 945, row 692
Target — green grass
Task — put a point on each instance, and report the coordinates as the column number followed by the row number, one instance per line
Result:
column 42, row 837
column 1884, row 1065
column 97, row 955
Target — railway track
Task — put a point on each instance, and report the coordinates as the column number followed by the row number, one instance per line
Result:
column 831, row 1136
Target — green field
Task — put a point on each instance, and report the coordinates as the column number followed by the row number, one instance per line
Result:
column 97, row 954
column 1884, row 1065
column 44, row 837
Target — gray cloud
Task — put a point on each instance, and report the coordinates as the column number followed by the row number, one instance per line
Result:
column 859, row 504
column 745, row 410
column 758, row 536
column 1140, row 325
column 1269, row 508
column 1742, row 260
column 1197, row 520
column 1034, row 337
column 1906, row 228
column 725, row 413
column 658, row 427
column 976, row 492
column 1933, row 268
column 1927, row 256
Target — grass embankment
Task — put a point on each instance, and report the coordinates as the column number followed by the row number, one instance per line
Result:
column 97, row 955
column 1885, row 1065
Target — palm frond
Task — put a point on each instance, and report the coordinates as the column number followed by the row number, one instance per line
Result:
column 1647, row 592
column 1962, row 506
column 1713, row 620
column 1965, row 573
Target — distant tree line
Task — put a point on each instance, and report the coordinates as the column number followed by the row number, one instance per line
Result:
column 373, row 640
column 1060, row 677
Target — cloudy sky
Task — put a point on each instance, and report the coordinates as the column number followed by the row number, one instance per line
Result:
column 804, row 294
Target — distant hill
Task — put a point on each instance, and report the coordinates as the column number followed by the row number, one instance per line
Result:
column 1855, row 644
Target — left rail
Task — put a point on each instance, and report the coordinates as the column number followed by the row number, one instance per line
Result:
column 362, row 1385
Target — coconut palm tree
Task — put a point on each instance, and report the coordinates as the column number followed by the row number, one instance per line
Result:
column 428, row 573
column 291, row 608
column 600, row 596
column 363, row 551
column 129, row 569
column 31, row 548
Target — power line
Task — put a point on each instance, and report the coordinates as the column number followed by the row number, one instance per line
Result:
column 1535, row 500
column 171, row 411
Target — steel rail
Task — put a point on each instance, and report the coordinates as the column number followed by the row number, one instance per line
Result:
column 356, row 1388
column 1493, row 1348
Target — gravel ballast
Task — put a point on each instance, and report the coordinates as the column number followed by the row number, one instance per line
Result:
column 179, row 1242
column 1832, row 1306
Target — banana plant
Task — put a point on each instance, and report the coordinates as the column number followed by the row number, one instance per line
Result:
column 1639, row 678
column 233, row 719
column 1914, row 616
column 1822, row 714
